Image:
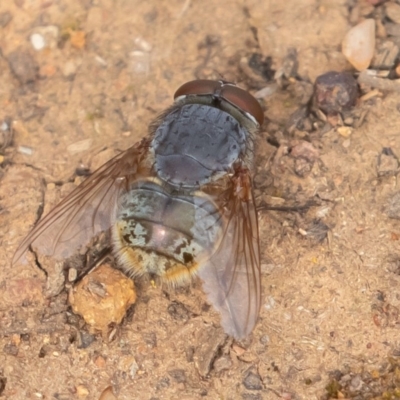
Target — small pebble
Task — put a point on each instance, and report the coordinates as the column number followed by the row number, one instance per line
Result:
column 23, row 66
column 101, row 61
column 45, row 36
column 178, row 375
column 5, row 19
column 302, row 167
column 349, row 121
column 25, row 150
column 267, row 91
column 302, row 232
column 143, row 44
column 16, row 339
column 356, row 383
column 128, row 364
column 388, row 163
column 251, row 396
column 10, row 349
column 252, row 381
column 393, row 12
column 85, row 339
column 335, row 92
column 269, row 305
column 107, row 394
column 239, row 351
column 210, row 340
column 222, row 364
column 385, row 56
column 69, row 69
column 102, row 297
column 359, row 44
column 3, row 383
column 393, row 207
column 346, row 143
column 78, row 147
column 77, row 39
column 82, row 391
column 37, row 41
column 345, row 131
column 72, row 274
column 392, row 29
column 370, row 78
column 140, row 61
column 100, row 362
column 305, row 150
column 178, row 311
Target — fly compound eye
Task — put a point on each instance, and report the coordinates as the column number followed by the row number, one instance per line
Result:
column 198, row 87
column 234, row 95
column 244, row 101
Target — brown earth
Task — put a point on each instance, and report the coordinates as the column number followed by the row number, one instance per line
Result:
column 330, row 271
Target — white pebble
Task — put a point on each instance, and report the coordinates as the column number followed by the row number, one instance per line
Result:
column 37, row 41
column 69, row 68
column 72, row 274
column 143, row 45
column 25, row 150
column 44, row 36
column 78, row 147
column 101, row 61
column 346, row 143
column 359, row 44
column 140, row 61
column 268, row 91
column 270, row 303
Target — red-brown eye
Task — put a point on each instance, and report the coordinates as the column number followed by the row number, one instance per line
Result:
column 236, row 96
column 199, row 86
column 244, row 101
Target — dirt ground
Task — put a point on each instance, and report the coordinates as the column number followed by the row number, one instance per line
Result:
column 330, row 262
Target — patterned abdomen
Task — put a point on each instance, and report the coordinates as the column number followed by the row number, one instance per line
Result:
column 165, row 234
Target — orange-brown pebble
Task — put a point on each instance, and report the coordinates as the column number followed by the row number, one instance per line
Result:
column 107, row 394
column 239, row 351
column 102, row 297
column 16, row 339
column 78, row 39
column 100, row 362
column 82, row 391
column 398, row 70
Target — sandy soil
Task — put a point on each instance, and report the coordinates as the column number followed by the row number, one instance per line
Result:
column 330, row 271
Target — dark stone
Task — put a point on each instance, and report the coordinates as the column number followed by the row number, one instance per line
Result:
column 10, row 349
column 393, row 206
column 251, row 396
column 252, row 381
column 85, row 339
column 5, row 18
column 3, row 382
column 335, row 92
column 23, row 66
column 162, row 383
column 178, row 311
column 178, row 375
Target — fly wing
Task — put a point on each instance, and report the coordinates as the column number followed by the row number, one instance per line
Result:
column 87, row 210
column 232, row 277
